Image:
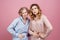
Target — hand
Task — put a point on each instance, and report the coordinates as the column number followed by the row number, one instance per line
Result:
column 42, row 35
column 21, row 36
column 35, row 35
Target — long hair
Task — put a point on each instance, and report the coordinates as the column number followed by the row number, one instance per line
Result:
column 39, row 11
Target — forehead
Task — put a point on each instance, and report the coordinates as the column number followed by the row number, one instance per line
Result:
column 24, row 10
column 34, row 7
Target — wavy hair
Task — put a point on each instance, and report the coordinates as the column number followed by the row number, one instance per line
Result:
column 38, row 14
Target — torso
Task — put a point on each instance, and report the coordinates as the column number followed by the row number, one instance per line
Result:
column 37, row 25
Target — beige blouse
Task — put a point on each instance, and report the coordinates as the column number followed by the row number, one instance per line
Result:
column 41, row 25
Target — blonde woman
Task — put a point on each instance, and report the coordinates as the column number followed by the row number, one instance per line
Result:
column 19, row 27
column 40, row 26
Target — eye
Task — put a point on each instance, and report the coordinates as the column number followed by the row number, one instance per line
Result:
column 24, row 12
column 35, row 8
column 32, row 9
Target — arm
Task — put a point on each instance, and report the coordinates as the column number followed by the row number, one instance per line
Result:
column 31, row 32
column 11, row 28
column 48, row 27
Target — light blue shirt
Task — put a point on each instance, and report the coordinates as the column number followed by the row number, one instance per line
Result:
column 18, row 27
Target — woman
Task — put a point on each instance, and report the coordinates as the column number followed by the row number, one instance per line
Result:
column 19, row 27
column 40, row 27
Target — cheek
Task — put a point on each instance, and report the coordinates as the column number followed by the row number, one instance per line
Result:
column 23, row 14
column 37, row 10
column 32, row 10
column 26, row 13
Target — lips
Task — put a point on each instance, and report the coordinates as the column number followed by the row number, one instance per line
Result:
column 34, row 12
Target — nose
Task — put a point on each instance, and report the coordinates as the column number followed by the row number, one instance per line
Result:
column 25, row 14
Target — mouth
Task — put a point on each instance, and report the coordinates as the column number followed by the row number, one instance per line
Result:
column 34, row 12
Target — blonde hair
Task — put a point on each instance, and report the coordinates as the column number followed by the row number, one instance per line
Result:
column 21, row 9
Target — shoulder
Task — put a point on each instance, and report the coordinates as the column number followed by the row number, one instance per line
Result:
column 16, row 19
column 43, row 16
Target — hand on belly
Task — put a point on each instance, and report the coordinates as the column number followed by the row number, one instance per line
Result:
column 42, row 35
column 35, row 35
column 21, row 36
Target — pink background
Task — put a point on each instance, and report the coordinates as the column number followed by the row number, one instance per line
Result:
column 9, row 11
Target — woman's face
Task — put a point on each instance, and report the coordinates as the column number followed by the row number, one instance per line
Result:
column 34, row 9
column 24, row 13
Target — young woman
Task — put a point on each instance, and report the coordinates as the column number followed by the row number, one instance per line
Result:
column 40, row 27
column 19, row 27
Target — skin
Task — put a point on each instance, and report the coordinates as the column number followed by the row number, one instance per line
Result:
column 35, row 10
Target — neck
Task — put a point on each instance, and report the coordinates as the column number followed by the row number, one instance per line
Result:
column 24, row 18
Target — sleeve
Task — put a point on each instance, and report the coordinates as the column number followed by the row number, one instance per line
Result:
column 30, row 30
column 48, row 25
column 11, row 28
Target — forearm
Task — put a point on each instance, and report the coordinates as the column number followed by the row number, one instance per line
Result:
column 30, row 32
